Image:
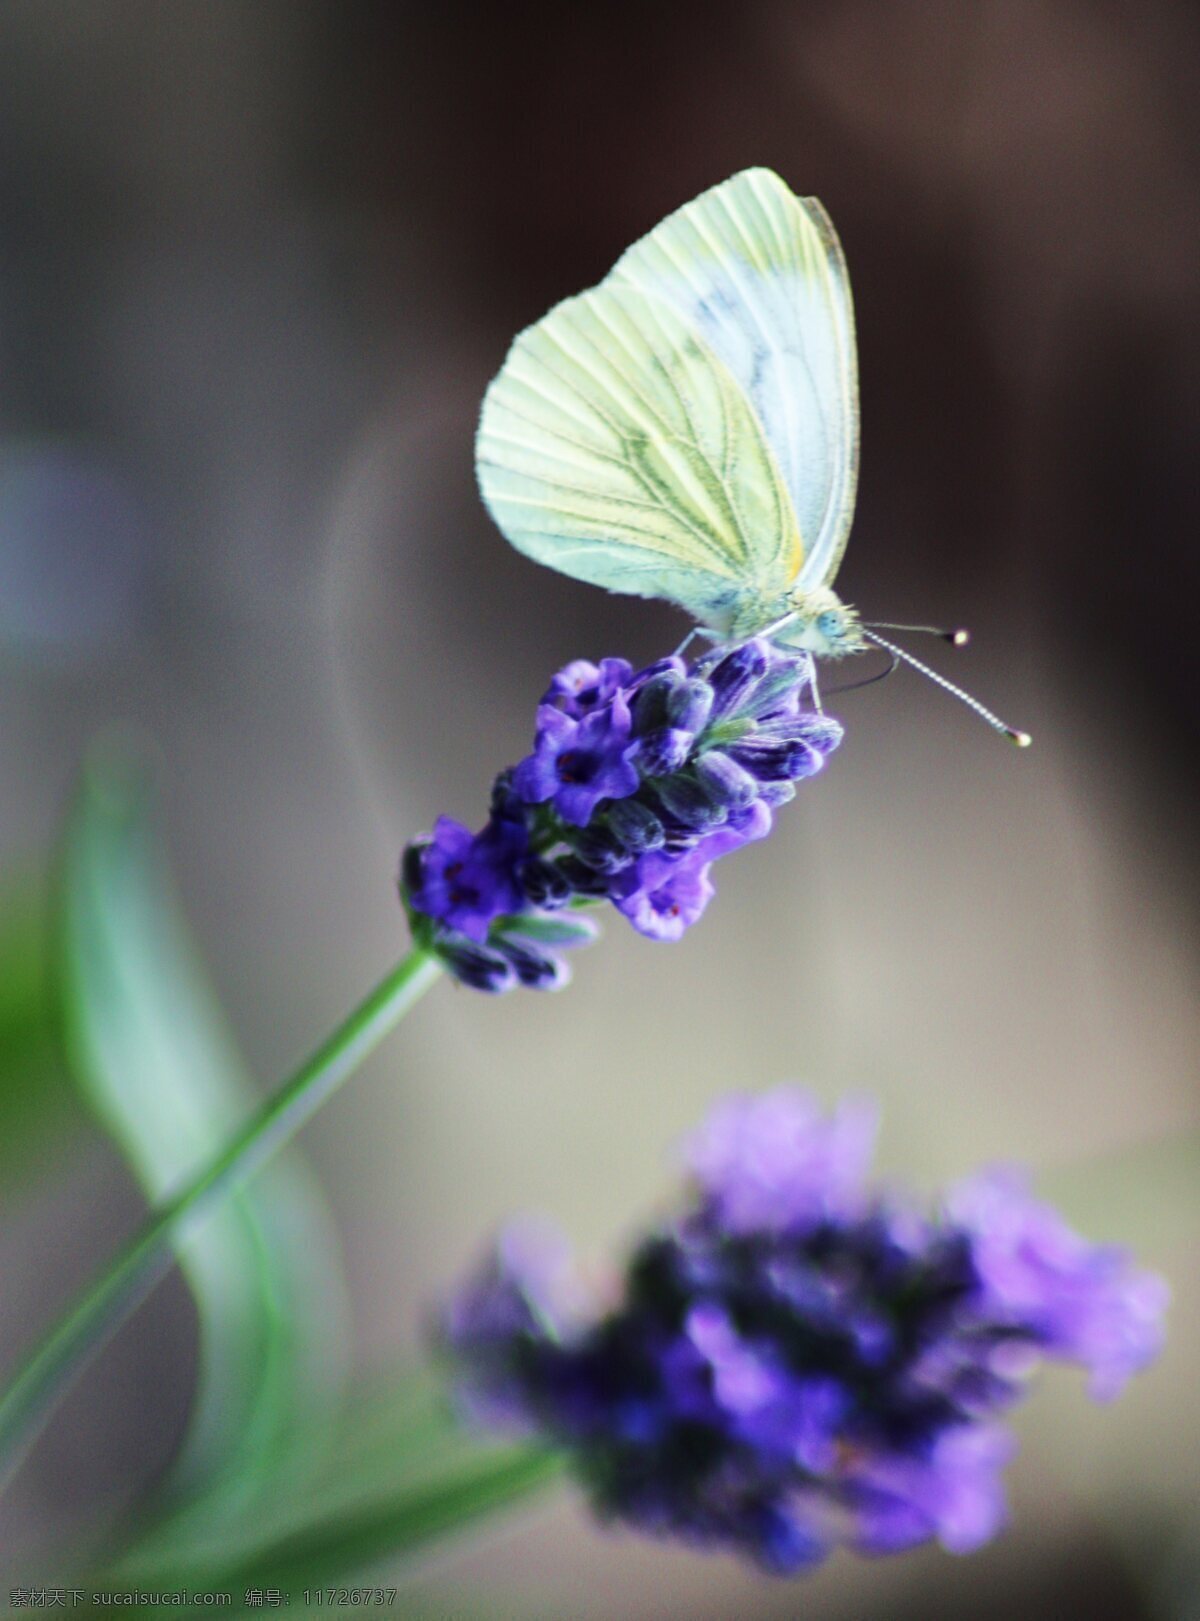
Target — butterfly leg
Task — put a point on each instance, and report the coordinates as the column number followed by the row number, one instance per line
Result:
column 686, row 642
column 813, row 688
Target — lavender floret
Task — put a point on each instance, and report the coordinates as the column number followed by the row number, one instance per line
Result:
column 466, row 880
column 580, row 687
column 577, row 763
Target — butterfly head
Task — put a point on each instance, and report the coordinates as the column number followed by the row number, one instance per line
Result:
column 823, row 624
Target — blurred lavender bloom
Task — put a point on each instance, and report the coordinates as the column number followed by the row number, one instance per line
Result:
column 797, row 1362
column 523, row 1293
column 1083, row 1302
column 772, row 1162
column 636, row 784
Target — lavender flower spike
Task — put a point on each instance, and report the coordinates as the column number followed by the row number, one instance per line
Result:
column 796, row 1361
column 636, row 784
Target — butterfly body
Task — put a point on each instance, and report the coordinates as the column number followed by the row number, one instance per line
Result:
column 815, row 621
column 688, row 429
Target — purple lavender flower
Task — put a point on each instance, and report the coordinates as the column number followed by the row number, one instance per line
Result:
column 580, row 687
column 577, row 763
column 636, row 784
column 525, row 1291
column 1083, row 1302
column 665, row 897
column 797, row 1362
column 772, row 1162
column 952, row 1492
column 465, row 879
column 662, row 895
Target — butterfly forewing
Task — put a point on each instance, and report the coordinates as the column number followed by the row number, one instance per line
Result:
column 758, row 274
column 618, row 448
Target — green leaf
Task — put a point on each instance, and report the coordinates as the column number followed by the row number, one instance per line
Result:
column 35, row 1094
column 26, row 999
column 156, row 1062
column 552, row 931
column 415, row 1517
column 477, row 1484
column 403, row 1473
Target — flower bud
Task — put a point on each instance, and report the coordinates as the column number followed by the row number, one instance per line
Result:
column 636, row 826
column 474, row 965
column 777, row 759
column 780, row 687
column 542, row 883
column 412, row 863
column 798, row 1360
column 600, row 849
column 649, row 704
column 689, row 705
column 821, row 732
column 661, row 752
column 776, row 793
column 583, row 880
column 724, row 779
column 536, row 970
column 735, row 677
column 506, row 803
column 692, row 803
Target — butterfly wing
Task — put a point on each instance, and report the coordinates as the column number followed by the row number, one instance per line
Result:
column 615, row 446
column 758, row 274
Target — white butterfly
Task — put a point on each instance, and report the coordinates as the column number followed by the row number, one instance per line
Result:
column 689, row 428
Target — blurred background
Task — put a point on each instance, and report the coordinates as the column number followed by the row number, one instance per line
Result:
column 257, row 264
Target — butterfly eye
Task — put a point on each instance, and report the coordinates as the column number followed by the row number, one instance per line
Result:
column 829, row 622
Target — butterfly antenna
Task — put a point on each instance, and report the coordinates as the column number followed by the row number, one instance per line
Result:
column 956, row 638
column 1021, row 739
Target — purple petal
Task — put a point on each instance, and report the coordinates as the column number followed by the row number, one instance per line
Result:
column 774, row 1161
column 1080, row 1301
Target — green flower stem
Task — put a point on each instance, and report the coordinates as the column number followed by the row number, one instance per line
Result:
column 149, row 1254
